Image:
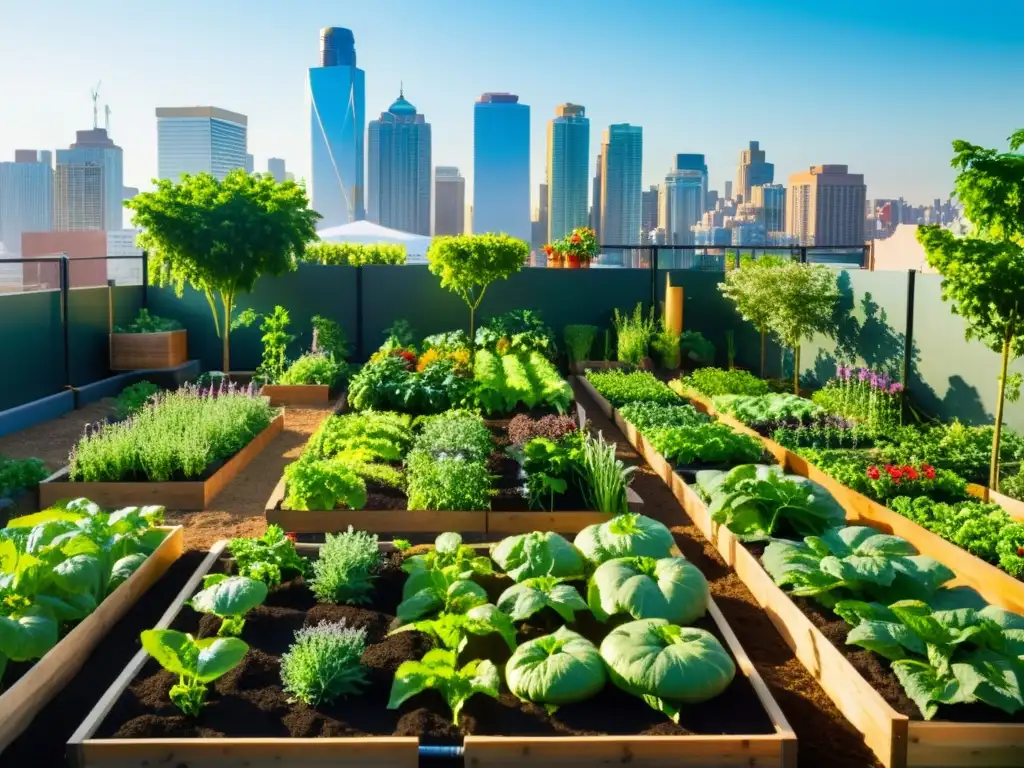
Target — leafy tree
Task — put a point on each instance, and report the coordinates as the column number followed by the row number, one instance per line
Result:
column 983, row 272
column 803, row 300
column 220, row 236
column 468, row 264
column 750, row 289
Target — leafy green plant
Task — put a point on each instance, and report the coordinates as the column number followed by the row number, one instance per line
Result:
column 634, row 333
column 196, row 662
column 267, row 557
column 18, row 475
column 449, row 341
column 666, row 665
column 275, row 341
column 388, row 383
column 515, row 332
column 455, row 432
column 751, row 289
column 144, row 322
column 761, row 410
column 447, row 482
column 312, row 483
column 557, row 669
column 373, row 435
column 401, row 334
column 539, row 553
column 522, row 429
column 229, row 598
column 438, row 670
column 579, row 340
column 697, row 347
column 712, row 382
column 626, row 535
column 670, row 588
column 756, row 502
column 505, row 381
column 329, row 338
column 345, row 571
column 1010, row 549
column 704, row 444
column 647, row 416
column 313, row 368
column 324, row 663
column 401, row 545
column 604, row 478
column 134, row 398
column 971, row 525
column 354, row 254
column 665, row 347
column 448, row 551
column 855, row 562
column 439, row 590
column 522, row 600
column 452, row 629
column 620, row 388
column 550, row 465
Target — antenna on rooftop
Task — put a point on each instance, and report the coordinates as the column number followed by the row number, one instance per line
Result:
column 106, row 117
column 95, row 92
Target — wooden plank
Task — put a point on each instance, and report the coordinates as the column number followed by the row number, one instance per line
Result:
column 146, row 351
column 179, row 495
column 602, row 404
column 645, row 751
column 508, row 523
column 935, row 744
column 377, row 520
column 297, row 394
column 20, row 703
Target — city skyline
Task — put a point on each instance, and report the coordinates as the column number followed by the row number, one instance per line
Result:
column 896, row 129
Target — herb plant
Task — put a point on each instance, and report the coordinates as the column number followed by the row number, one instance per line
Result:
column 447, row 482
column 347, row 566
column 275, row 341
column 455, row 434
column 438, row 670
column 665, row 347
column 329, row 338
column 1010, row 549
column 229, row 598
column 134, row 398
column 268, row 557
column 604, row 477
column 556, row 669
column 144, row 322
column 866, row 396
column 579, row 340
column 196, row 662
column 620, row 388
column 646, row 416
column 670, row 588
column 634, row 333
column 760, row 410
column 324, row 663
column 313, row 368
column 712, row 382
column 627, row 535
column 550, row 466
column 18, row 475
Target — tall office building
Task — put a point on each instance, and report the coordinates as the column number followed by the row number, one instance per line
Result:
column 337, row 125
column 276, row 168
column 501, row 165
column 89, row 183
column 449, row 201
column 200, row 140
column 683, row 197
column 622, row 148
column 26, row 198
column 770, row 200
column 539, row 224
column 399, row 166
column 595, row 209
column 250, row 163
column 753, row 170
column 568, row 177
column 728, row 190
column 825, row 206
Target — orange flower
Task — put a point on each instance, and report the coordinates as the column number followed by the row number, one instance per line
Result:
column 576, row 238
column 549, row 249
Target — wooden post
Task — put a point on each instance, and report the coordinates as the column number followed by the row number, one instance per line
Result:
column 674, row 307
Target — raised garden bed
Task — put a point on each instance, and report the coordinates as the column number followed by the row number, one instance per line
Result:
column 45, row 678
column 248, row 720
column 297, row 395
column 137, row 351
column 175, row 494
column 890, row 723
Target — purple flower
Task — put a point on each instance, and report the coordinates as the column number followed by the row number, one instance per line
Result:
column 842, row 371
column 863, row 373
column 895, row 387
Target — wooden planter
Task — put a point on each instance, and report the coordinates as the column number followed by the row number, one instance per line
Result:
column 776, row 750
column 20, row 703
column 297, row 395
column 147, row 351
column 179, row 495
column 897, row 741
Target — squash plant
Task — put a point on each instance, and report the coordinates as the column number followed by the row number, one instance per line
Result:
column 196, row 662
column 229, row 598
column 438, row 670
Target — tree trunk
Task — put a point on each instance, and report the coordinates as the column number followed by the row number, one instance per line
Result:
column 764, row 349
column 226, row 362
column 993, row 471
column 796, row 369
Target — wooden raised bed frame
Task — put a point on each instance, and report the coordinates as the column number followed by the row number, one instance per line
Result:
column 707, row 751
column 897, row 741
column 179, row 495
column 147, row 351
column 20, row 703
column 297, row 395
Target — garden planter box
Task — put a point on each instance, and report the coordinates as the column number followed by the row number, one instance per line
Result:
column 775, row 748
column 175, row 494
column 297, row 395
column 147, row 351
column 20, row 703
column 1013, row 507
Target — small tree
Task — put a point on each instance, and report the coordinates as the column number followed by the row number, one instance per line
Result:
column 983, row 273
column 750, row 289
column 220, row 236
column 803, row 301
column 468, row 264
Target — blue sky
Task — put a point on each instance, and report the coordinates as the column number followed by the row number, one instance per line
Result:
column 882, row 87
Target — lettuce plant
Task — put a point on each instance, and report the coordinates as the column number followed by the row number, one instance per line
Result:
column 671, row 588
column 522, row 600
column 628, row 535
column 854, row 562
column 646, row 416
column 448, row 551
column 540, row 553
column 447, row 482
column 620, row 388
column 426, row 593
column 267, row 557
column 196, row 662
column 756, row 502
column 324, row 662
column 438, row 670
column 712, row 382
column 313, row 483
column 957, row 656
column 666, row 665
column 704, row 444
column 561, row 668
column 757, row 410
column 229, row 598
column 452, row 630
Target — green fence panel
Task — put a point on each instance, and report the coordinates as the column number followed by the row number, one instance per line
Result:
column 953, row 377
column 32, row 341
column 88, row 335
column 127, row 301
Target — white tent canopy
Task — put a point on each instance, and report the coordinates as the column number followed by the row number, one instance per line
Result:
column 368, row 233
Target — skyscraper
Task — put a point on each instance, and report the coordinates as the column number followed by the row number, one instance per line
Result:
column 568, row 177
column 250, row 163
column 728, row 190
column 276, row 168
column 771, row 200
column 753, row 170
column 88, row 183
column 683, row 198
column 399, row 150
column 200, row 140
column 337, row 125
column 825, row 206
column 649, row 212
column 26, row 198
column 621, row 165
column 595, row 209
column 539, row 225
column 449, row 201
column 501, row 165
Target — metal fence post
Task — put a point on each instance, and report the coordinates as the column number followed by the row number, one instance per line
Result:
column 65, row 285
column 908, row 340
column 654, row 277
column 359, row 314
column 803, row 254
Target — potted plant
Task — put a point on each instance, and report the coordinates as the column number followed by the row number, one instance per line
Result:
column 579, row 247
column 148, row 342
column 555, row 257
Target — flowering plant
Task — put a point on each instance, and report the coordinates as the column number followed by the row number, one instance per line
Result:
column 891, row 480
column 863, row 395
column 554, row 254
column 581, row 243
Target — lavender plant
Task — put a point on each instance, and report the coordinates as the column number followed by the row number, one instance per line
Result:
column 866, row 396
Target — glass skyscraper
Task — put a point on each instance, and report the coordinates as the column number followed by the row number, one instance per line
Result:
column 89, row 183
column 26, row 198
column 399, row 189
column 568, row 172
column 501, row 165
column 684, row 197
column 200, row 140
column 622, row 148
column 337, row 122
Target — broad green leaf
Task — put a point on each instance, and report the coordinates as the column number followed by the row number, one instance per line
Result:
column 448, row 543
column 463, row 595
column 123, row 570
column 174, row 651
column 46, row 516
column 423, row 603
column 233, row 596
column 218, row 655
column 81, row 574
column 893, row 641
column 28, row 636
column 921, row 685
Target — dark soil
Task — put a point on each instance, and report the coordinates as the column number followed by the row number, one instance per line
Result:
column 249, row 701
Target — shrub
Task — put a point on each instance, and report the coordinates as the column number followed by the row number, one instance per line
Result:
column 712, row 382
column 522, row 429
column 354, row 254
column 346, row 568
column 313, row 368
column 579, row 341
column 147, row 323
column 134, row 398
column 324, row 663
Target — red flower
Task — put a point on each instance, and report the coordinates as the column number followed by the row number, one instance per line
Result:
column 894, row 472
column 1020, row 551
column 873, row 473
column 549, row 249
column 910, row 472
column 929, row 471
